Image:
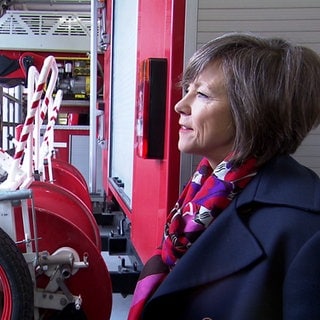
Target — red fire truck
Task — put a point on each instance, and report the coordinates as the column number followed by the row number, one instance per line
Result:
column 110, row 171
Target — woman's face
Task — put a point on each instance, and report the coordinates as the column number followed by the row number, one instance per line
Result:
column 206, row 125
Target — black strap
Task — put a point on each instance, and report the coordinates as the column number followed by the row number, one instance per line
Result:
column 8, row 65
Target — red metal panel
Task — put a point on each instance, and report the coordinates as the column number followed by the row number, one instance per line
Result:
column 106, row 81
column 156, row 182
column 62, row 136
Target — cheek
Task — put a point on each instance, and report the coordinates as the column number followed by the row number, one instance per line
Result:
column 220, row 125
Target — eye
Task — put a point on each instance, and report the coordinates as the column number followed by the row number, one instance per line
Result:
column 200, row 94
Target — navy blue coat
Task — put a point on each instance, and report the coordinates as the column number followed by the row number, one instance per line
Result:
column 259, row 260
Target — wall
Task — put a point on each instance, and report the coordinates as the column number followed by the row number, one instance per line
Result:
column 295, row 20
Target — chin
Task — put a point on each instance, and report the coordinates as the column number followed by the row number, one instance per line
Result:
column 183, row 148
column 186, row 150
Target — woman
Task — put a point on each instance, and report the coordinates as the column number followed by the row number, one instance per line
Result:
column 243, row 240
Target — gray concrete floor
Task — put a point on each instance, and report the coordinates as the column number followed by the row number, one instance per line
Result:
column 120, row 307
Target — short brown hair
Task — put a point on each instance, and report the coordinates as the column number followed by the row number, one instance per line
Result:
column 273, row 88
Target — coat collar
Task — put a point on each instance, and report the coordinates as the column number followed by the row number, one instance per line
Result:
column 224, row 257
column 221, row 258
column 270, row 186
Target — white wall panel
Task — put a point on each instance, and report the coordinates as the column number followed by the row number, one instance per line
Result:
column 263, row 4
column 295, row 20
column 298, row 21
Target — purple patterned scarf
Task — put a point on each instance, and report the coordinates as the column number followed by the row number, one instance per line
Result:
column 206, row 195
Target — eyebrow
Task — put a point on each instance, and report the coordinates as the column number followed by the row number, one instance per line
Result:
column 214, row 88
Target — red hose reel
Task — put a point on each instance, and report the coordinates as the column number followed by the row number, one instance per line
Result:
column 64, row 256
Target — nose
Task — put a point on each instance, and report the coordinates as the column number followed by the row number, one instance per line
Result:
column 182, row 107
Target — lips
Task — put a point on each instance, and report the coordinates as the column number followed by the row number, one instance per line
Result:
column 184, row 127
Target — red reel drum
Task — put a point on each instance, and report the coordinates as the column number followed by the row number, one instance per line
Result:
column 62, row 221
column 69, row 177
column 49, row 197
column 92, row 283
